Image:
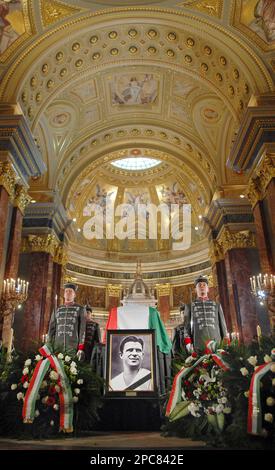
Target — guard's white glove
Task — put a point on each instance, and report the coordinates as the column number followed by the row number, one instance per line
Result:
column 80, row 355
column 190, row 348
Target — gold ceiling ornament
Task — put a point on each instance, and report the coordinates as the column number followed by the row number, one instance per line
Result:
column 260, row 180
column 8, row 178
column 114, row 290
column 242, row 239
column 46, row 243
column 21, row 198
column 216, row 252
column 163, row 289
column 53, row 11
column 210, row 7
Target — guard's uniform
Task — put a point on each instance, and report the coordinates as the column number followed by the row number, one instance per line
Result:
column 92, row 337
column 67, row 328
column 203, row 321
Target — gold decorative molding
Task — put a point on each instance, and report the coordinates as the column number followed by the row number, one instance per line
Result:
column 216, row 252
column 61, row 255
column 21, row 198
column 47, row 243
column 53, row 11
column 114, row 290
column 8, row 178
column 210, row 7
column 163, row 289
column 230, row 240
column 260, row 180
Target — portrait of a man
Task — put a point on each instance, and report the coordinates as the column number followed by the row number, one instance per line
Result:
column 131, row 366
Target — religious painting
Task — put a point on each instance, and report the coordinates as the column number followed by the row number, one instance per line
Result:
column 12, row 24
column 171, row 194
column 257, row 19
column 134, row 89
column 101, row 196
column 131, row 363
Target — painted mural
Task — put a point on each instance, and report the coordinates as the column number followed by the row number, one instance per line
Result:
column 171, row 194
column 259, row 17
column 11, row 23
column 135, row 89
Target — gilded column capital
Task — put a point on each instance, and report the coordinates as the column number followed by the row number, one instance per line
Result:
column 61, row 255
column 47, row 243
column 114, row 290
column 230, row 240
column 163, row 289
column 260, row 180
column 216, row 252
column 8, row 178
column 21, row 198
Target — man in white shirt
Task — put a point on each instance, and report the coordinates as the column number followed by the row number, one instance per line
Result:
column 133, row 377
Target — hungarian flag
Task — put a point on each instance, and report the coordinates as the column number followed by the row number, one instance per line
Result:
column 139, row 317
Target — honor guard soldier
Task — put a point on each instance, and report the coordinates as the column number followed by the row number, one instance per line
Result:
column 92, row 336
column 68, row 324
column 203, row 320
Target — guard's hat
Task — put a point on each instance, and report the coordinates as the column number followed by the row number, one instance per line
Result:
column 201, row 278
column 88, row 308
column 70, row 285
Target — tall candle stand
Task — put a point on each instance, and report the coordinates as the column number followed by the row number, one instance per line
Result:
column 263, row 288
column 14, row 293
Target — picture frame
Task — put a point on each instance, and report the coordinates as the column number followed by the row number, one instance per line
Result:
column 130, row 363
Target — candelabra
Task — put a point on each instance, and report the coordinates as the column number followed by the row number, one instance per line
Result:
column 14, row 293
column 263, row 288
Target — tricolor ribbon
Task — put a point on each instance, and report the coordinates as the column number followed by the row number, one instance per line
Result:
column 65, row 393
column 255, row 418
column 175, row 395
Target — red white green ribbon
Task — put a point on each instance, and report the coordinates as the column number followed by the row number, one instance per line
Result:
column 255, row 418
column 175, row 395
column 65, row 393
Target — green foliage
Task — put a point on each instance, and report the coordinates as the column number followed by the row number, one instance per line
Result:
column 233, row 432
column 46, row 424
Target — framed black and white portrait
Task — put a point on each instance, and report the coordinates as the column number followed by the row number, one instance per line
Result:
column 131, row 363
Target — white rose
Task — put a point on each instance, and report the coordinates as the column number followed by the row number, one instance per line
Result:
column 268, row 417
column 25, row 371
column 73, row 364
column 73, row 371
column 77, row 391
column 55, row 406
column 52, row 423
column 53, row 375
column 227, row 410
column 57, row 388
column 44, row 400
column 252, row 360
column 36, row 413
column 189, row 360
column 80, row 381
column 75, row 399
column 38, row 357
column 67, row 359
column 13, row 386
column 60, row 356
column 267, row 359
column 28, row 362
column 20, row 396
column 270, row 401
column 26, row 384
column 244, row 371
column 44, row 384
column 272, row 368
column 219, row 409
column 246, row 394
column 223, row 400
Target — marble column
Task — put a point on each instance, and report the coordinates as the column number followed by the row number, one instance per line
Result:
column 219, row 271
column 163, row 296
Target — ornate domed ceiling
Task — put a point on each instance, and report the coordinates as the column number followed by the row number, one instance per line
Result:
column 101, row 81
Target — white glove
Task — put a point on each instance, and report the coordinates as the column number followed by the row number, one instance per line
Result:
column 80, row 355
column 190, row 348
